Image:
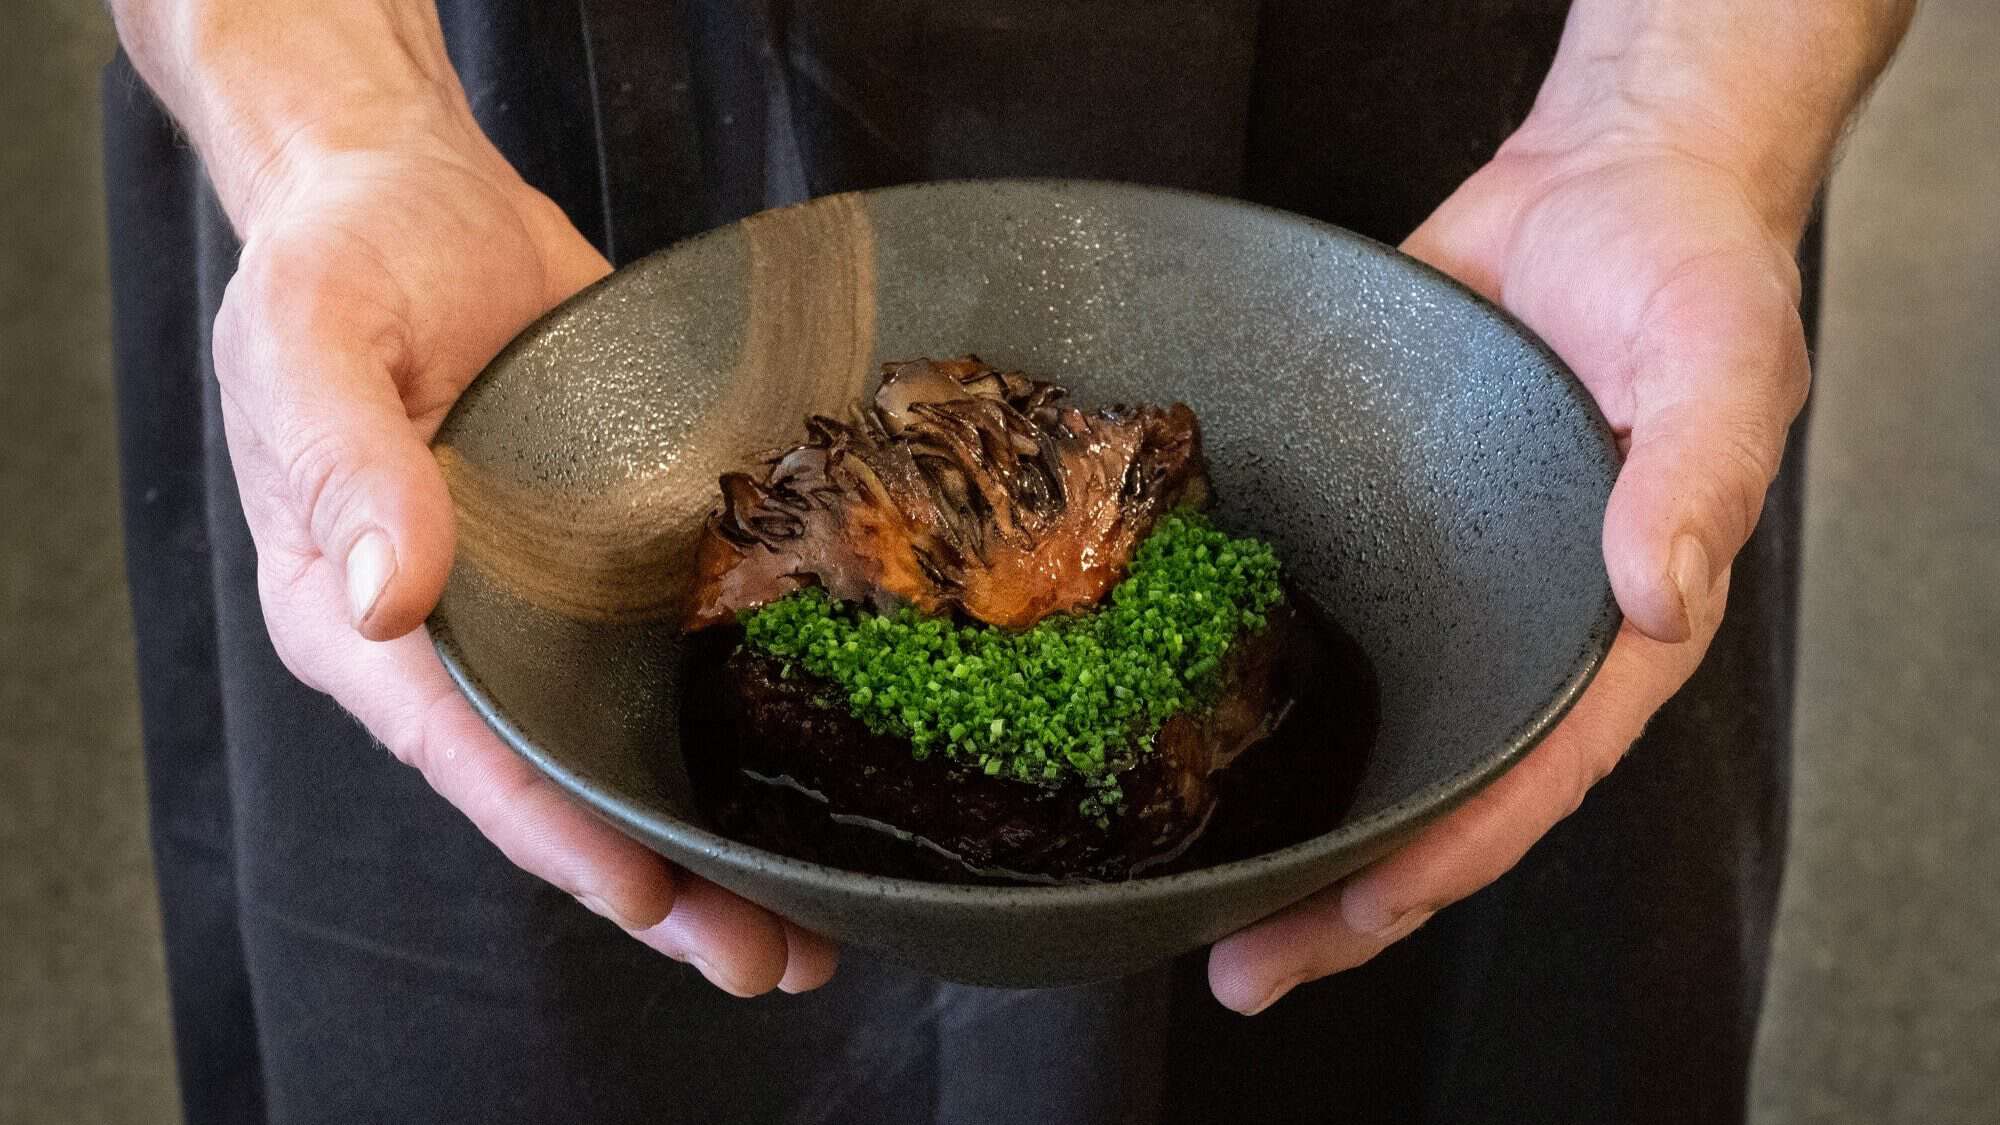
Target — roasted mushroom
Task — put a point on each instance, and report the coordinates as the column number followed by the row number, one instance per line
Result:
column 964, row 489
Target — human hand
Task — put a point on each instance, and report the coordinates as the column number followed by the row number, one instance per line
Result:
column 1668, row 284
column 1643, row 221
column 376, row 280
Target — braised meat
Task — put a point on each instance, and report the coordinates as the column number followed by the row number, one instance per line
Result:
column 792, row 732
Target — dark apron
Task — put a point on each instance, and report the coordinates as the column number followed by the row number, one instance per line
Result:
column 342, row 947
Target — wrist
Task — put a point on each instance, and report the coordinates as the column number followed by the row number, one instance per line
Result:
column 1758, row 92
column 266, row 97
column 263, row 161
column 1776, row 171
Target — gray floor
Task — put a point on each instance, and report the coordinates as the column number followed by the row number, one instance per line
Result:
column 83, row 1025
column 1885, row 996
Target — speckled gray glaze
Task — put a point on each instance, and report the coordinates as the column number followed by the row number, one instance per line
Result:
column 1433, row 477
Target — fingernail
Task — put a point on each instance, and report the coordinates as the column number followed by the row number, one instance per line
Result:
column 603, row 909
column 371, row 562
column 1687, row 566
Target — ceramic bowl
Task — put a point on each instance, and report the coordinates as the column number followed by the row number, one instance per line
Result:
column 1432, row 476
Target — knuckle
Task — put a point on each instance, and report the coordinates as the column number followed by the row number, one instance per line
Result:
column 1603, row 740
column 281, row 576
column 1795, row 373
column 432, row 741
column 541, row 213
column 1580, row 784
column 1782, row 370
column 1750, row 452
column 279, row 291
column 1775, row 258
column 320, row 475
column 412, row 736
column 1750, row 462
column 291, row 298
column 544, row 210
column 1589, row 774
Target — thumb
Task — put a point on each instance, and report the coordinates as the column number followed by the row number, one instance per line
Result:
column 313, row 385
column 1720, row 372
column 379, row 507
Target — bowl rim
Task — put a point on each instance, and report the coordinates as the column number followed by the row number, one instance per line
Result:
column 1411, row 812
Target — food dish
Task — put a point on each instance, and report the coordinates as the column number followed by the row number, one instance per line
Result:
column 1431, row 476
column 980, row 632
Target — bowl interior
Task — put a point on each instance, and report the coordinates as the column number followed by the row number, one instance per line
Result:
column 1432, row 477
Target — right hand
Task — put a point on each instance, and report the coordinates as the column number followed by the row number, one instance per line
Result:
column 375, row 282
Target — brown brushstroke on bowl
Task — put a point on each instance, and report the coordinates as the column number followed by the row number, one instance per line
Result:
column 626, row 553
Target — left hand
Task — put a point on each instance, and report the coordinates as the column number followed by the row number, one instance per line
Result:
column 1671, row 289
column 346, row 334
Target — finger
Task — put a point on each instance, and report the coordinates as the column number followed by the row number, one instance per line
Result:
column 1720, row 374
column 1254, row 969
column 534, row 824
column 740, row 948
column 400, row 691
column 1346, row 925
column 1488, row 835
column 307, row 365
column 809, row 960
